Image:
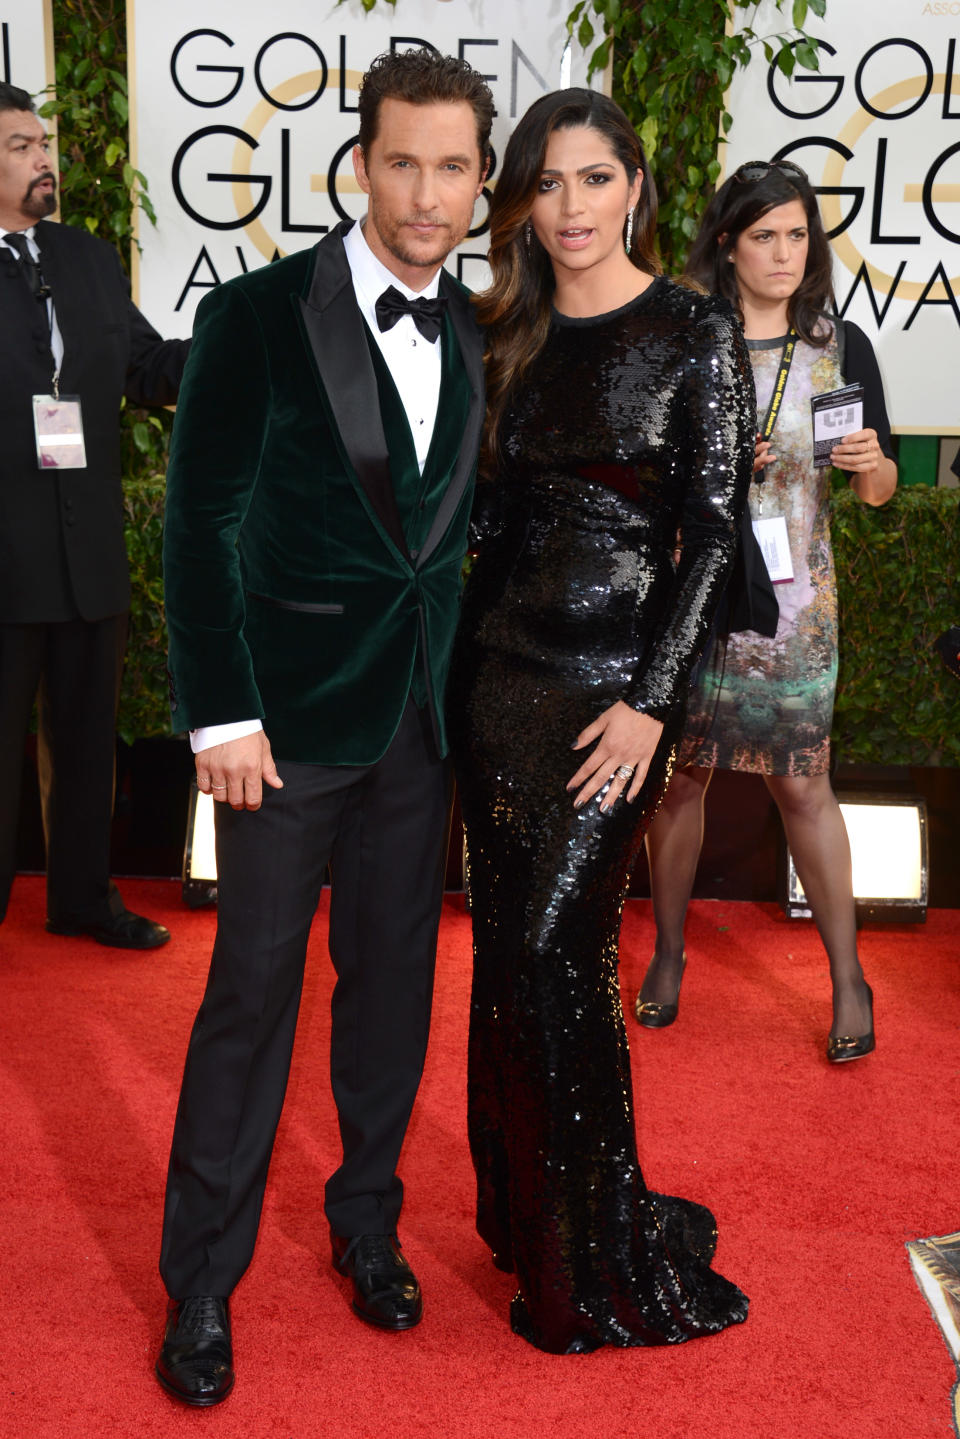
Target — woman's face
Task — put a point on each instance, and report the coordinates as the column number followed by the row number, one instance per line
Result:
column 583, row 200
column 770, row 256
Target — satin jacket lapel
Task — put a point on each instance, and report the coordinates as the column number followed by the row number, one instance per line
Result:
column 471, row 350
column 334, row 331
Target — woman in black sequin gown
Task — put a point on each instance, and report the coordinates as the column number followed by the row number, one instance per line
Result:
column 621, row 409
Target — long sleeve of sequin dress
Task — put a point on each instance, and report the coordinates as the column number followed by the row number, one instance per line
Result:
column 627, row 427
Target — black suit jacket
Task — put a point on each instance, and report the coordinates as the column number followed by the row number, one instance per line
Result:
column 62, row 551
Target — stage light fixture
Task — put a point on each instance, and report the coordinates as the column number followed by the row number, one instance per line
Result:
column 936, row 1267
column 199, row 851
column 888, row 846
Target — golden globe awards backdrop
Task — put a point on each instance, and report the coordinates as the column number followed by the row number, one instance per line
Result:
column 26, row 45
column 878, row 132
column 243, row 119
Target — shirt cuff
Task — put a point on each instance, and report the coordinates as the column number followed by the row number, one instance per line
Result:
column 213, row 734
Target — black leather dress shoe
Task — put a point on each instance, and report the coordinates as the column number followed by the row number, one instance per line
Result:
column 195, row 1363
column 124, row 930
column 385, row 1288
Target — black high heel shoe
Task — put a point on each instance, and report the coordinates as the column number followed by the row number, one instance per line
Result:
column 842, row 1048
column 658, row 1016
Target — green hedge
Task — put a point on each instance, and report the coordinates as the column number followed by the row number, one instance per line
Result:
column 144, row 695
column 898, row 580
column 898, row 577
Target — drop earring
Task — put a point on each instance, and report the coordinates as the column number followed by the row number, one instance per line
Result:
column 527, row 234
column 629, row 241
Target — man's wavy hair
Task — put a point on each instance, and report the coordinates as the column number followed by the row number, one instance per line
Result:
column 424, row 77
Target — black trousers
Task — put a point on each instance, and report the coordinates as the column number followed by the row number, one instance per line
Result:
column 383, row 829
column 73, row 669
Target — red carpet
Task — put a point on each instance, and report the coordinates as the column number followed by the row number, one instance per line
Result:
column 818, row 1176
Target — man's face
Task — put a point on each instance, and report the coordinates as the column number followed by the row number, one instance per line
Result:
column 28, row 186
column 423, row 174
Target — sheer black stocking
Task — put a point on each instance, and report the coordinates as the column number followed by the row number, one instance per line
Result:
column 818, row 842
column 673, row 844
column 817, row 837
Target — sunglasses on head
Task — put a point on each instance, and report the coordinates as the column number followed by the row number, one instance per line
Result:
column 760, row 169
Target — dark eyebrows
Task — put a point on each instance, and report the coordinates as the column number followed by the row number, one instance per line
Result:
column 465, row 160
column 584, row 169
column 17, row 136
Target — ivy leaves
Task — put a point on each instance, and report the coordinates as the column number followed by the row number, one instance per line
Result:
column 100, row 187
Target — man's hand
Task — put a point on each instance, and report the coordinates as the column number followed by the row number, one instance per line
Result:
column 235, row 772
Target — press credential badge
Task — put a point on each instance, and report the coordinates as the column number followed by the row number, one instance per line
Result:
column 58, row 426
column 775, row 547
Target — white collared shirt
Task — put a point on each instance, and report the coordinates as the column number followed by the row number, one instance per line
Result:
column 414, row 364
column 56, row 339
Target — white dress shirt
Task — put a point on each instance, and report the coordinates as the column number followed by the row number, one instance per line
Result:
column 56, row 339
column 414, row 364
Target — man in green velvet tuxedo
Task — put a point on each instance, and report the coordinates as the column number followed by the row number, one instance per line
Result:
column 318, row 495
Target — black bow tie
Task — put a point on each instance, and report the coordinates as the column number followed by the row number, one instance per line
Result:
column 427, row 314
column 31, row 270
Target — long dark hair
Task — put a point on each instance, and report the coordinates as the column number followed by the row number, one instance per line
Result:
column 740, row 203
column 516, row 308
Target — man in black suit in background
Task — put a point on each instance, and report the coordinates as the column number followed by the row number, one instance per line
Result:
column 68, row 328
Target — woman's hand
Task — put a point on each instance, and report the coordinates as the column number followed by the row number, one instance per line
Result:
column 859, row 453
column 874, row 474
column 762, row 455
column 624, row 737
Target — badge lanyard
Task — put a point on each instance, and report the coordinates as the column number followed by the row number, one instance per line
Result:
column 771, row 535
column 776, row 399
column 57, row 418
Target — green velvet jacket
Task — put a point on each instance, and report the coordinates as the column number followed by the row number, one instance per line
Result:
column 295, row 592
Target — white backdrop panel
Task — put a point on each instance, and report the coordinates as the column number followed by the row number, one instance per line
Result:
column 26, row 45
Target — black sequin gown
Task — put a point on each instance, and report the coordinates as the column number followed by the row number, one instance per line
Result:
column 628, row 426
